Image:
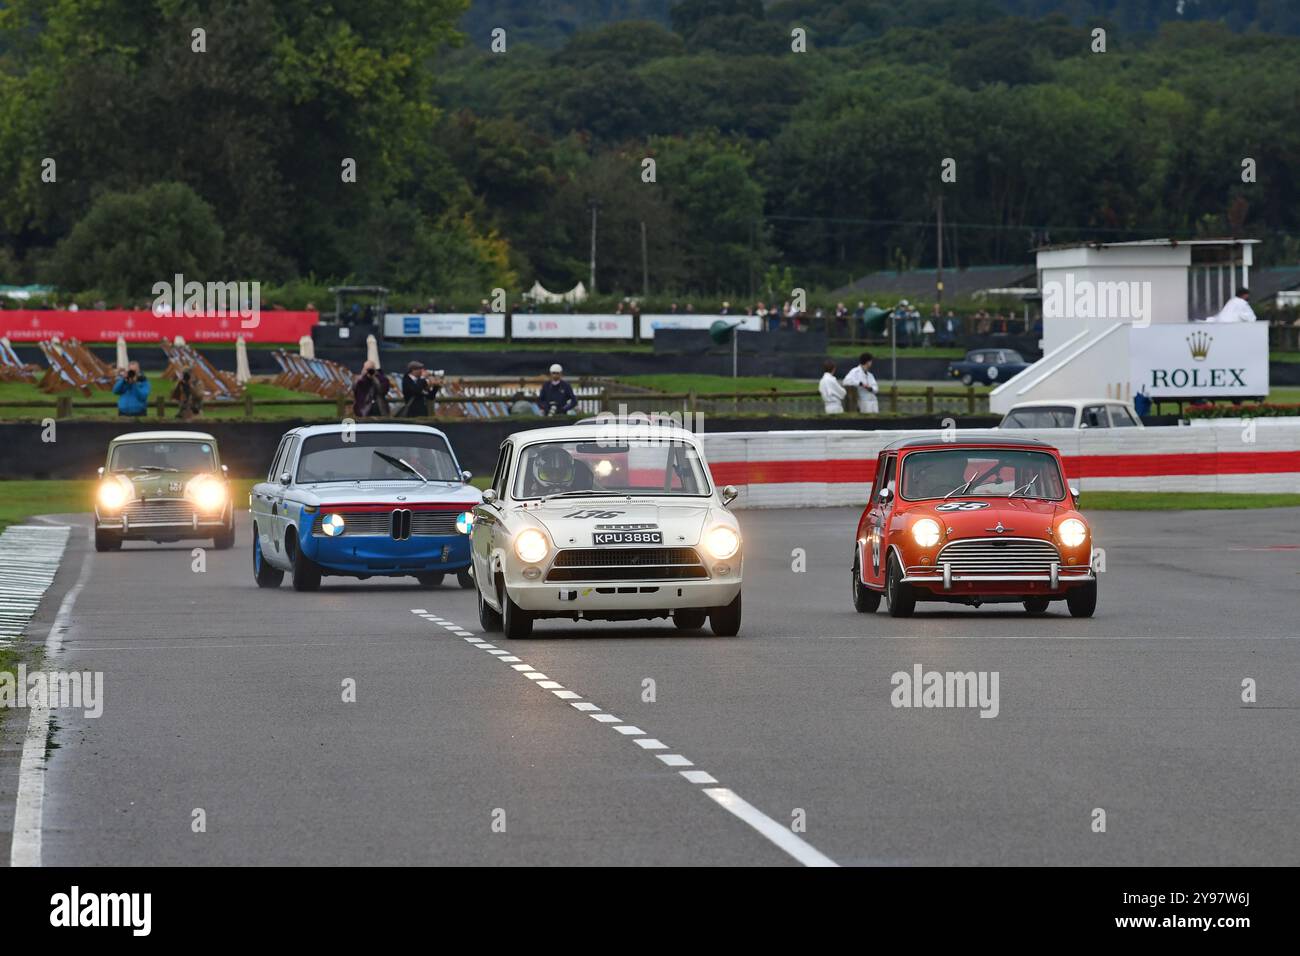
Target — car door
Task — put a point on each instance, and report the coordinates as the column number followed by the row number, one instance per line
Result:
column 873, row 557
column 279, row 512
column 487, row 518
column 262, row 499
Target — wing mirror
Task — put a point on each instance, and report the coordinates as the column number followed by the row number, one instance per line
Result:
column 465, row 476
column 886, row 495
column 225, row 469
column 100, row 471
column 285, row 478
column 1074, row 493
column 489, row 496
column 729, row 494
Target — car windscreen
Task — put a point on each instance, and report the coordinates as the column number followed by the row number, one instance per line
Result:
column 982, row 473
column 376, row 456
column 1054, row 416
column 187, row 456
column 639, row 467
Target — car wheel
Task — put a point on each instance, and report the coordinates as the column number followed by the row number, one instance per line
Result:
column 865, row 600
column 967, row 379
column 1082, row 601
column 902, row 602
column 226, row 539
column 488, row 619
column 306, row 572
column 515, row 621
column 725, row 621
column 1037, row 605
column 431, row 580
column 265, row 575
column 107, row 541
column 465, row 579
column 689, row 619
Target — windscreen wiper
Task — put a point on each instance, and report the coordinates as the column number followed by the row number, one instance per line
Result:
column 401, row 463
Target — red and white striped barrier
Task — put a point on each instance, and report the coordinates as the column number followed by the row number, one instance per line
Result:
column 820, row 469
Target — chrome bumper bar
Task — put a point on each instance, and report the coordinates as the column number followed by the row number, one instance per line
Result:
column 1055, row 577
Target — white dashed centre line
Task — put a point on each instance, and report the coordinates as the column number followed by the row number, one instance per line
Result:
column 785, row 839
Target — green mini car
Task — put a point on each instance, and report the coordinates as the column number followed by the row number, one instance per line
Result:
column 163, row 486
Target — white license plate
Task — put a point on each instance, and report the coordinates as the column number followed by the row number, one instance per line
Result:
column 627, row 537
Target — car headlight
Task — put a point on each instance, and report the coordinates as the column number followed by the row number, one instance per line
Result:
column 112, row 494
column 926, row 532
column 531, row 546
column 465, row 522
column 332, row 524
column 209, row 495
column 722, row 542
column 1072, row 532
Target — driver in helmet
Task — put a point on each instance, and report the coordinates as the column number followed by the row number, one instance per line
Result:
column 554, row 470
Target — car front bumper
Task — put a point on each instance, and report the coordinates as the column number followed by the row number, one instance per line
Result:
column 575, row 598
column 380, row 555
column 941, row 579
column 169, row 518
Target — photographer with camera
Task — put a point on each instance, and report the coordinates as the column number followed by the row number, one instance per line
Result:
column 132, row 391
column 188, row 395
column 418, row 388
column 556, row 396
column 370, row 392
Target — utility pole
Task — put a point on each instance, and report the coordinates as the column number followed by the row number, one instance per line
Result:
column 645, row 265
column 595, row 205
column 938, row 277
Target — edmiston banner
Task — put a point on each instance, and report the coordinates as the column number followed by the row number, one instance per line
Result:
column 141, row 325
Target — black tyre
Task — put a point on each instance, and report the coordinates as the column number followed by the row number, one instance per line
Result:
column 967, row 379
column 488, row 619
column 1082, row 601
column 430, row 580
column 107, row 541
column 465, row 579
column 865, row 600
column 1037, row 605
column 306, row 572
column 225, row 540
column 689, row 619
column 901, row 599
column 725, row 621
column 265, row 575
column 515, row 621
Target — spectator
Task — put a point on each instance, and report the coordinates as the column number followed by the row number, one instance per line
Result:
column 948, row 330
column 672, row 309
column 132, row 391
column 860, row 377
column 556, row 396
column 370, row 392
column 188, row 396
column 417, row 389
column 520, row 405
column 1236, row 309
column 726, row 309
column 832, row 391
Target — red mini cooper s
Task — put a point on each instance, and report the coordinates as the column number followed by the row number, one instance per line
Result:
column 972, row 522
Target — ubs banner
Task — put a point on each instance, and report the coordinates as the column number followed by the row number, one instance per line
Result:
column 1200, row 359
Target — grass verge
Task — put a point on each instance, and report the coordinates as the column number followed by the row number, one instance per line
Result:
column 1181, row 501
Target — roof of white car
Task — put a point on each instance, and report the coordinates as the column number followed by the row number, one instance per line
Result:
column 1072, row 402
column 165, row 436
column 596, row 430
column 306, row 431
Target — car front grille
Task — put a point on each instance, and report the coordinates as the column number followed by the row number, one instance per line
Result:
column 998, row 556
column 159, row 511
column 441, row 521
column 627, row 564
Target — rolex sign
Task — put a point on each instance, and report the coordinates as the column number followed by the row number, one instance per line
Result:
column 1200, row 360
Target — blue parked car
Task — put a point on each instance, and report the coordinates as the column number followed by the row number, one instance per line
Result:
column 988, row 366
column 363, row 501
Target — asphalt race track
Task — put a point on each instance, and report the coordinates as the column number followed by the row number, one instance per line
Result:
column 228, row 699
